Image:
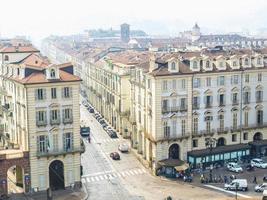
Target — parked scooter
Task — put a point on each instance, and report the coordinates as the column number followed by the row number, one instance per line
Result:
column 250, row 168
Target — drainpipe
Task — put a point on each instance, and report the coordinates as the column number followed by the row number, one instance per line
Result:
column 241, row 106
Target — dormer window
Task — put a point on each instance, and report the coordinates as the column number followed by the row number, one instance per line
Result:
column 221, row 64
column 52, row 73
column 6, row 58
column 234, row 63
column 173, row 66
column 195, row 64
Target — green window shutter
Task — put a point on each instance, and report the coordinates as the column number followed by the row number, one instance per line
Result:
column 62, row 92
column 36, row 94
column 37, row 117
column 64, row 141
column 38, row 143
column 70, row 91
column 71, row 140
column 45, row 117
column 44, row 93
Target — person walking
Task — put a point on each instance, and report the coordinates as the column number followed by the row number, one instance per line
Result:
column 89, row 139
column 255, row 180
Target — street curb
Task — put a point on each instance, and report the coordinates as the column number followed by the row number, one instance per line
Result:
column 85, row 191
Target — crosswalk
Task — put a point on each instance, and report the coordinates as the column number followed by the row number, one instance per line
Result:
column 111, row 175
column 103, row 141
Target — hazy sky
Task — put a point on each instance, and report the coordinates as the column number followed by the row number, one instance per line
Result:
column 39, row 18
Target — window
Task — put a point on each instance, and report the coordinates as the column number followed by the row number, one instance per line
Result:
column 54, row 117
column 42, row 143
column 66, row 92
column 174, row 127
column 235, row 98
column 208, row 82
column 234, row 63
column 183, row 83
column 259, row 77
column 195, row 102
column 195, row 64
column 183, row 104
column 246, row 61
column 174, row 84
column 148, row 83
column 52, row 73
column 235, row 79
column 68, row 141
column 208, row 126
column 195, row 143
column 221, row 80
column 67, row 115
column 245, row 136
column 234, row 121
column 6, row 58
column 165, row 105
column 40, row 94
column 166, row 130
column 18, row 72
column 183, row 127
column 221, row 64
column 41, row 118
column 246, row 119
column 221, row 100
column 55, row 142
column 247, row 78
column 173, row 66
column 234, row 138
column 259, row 117
column 208, row 101
column 259, row 61
column 259, row 95
column 165, row 85
column 196, row 82
column 139, row 117
column 53, row 93
column 195, row 125
column 207, row 64
column 221, row 120
column 246, row 97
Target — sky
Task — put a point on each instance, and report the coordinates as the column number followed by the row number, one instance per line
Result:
column 41, row 18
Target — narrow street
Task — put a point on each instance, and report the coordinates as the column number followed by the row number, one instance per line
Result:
column 107, row 179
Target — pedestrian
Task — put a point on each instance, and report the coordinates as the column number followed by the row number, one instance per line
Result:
column 255, row 180
column 225, row 179
column 89, row 139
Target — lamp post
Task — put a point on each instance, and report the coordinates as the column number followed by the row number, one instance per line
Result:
column 210, row 143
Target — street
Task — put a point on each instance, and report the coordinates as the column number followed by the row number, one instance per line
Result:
column 105, row 178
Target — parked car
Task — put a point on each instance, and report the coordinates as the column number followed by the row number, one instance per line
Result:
column 123, row 147
column 115, row 156
column 104, row 125
column 264, row 195
column 257, row 162
column 239, row 184
column 85, row 131
column 234, row 167
column 112, row 133
column 102, row 121
column 91, row 110
column 260, row 187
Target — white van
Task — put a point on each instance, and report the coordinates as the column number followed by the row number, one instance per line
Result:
column 240, row 184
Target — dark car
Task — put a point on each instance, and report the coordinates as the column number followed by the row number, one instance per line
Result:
column 115, row 156
column 112, row 134
column 91, row 110
column 85, row 131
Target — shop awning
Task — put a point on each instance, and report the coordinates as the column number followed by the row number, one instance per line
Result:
column 171, row 162
column 183, row 167
column 218, row 150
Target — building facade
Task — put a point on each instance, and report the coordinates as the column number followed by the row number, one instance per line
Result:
column 180, row 100
column 41, row 116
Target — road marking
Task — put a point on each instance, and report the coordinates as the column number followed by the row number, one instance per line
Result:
column 88, row 180
column 115, row 175
column 135, row 171
column 128, row 173
column 92, row 179
column 101, row 177
column 118, row 174
column 106, row 176
column 131, row 172
column 227, row 191
column 97, row 179
column 83, row 180
column 98, row 173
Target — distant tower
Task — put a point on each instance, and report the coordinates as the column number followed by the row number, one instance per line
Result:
column 125, row 32
column 195, row 32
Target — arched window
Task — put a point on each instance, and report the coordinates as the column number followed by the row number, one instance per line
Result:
column 52, row 73
column 173, row 66
column 195, row 64
column 259, row 61
column 6, row 58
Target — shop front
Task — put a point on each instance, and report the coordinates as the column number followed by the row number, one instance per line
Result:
column 218, row 155
column 171, row 167
column 258, row 148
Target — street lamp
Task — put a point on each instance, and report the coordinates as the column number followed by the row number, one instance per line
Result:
column 210, row 143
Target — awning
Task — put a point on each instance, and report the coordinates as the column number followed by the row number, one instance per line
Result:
column 171, row 163
column 183, row 167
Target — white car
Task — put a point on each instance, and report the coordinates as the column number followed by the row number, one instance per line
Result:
column 260, row 187
column 123, row 147
column 257, row 162
column 237, row 184
column 234, row 167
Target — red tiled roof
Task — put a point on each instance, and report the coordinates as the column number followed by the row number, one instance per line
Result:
column 15, row 49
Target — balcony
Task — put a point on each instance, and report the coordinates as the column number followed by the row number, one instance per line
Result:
column 234, row 103
column 259, row 100
column 208, row 105
column 196, row 106
column 222, row 130
column 50, row 153
column 235, row 129
column 67, row 120
column 41, row 123
column 172, row 109
column 169, row 137
column 55, row 121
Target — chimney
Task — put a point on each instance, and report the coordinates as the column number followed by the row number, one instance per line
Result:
column 152, row 62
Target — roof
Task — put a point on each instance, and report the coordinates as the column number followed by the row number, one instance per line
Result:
column 39, row 77
column 18, row 49
column 34, row 60
column 217, row 150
